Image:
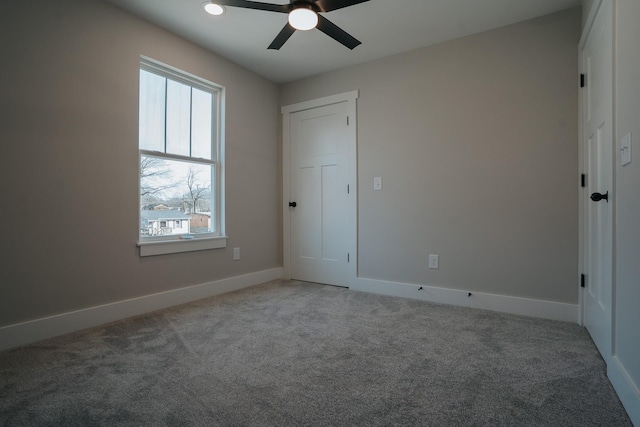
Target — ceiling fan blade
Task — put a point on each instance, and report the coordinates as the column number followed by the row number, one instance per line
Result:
column 329, row 5
column 283, row 8
column 282, row 37
column 336, row 33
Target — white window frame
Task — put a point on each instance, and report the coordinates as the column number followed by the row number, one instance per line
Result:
column 150, row 246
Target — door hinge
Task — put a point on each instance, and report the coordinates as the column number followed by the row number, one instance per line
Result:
column 583, row 281
column 348, row 257
column 583, row 180
column 582, row 80
column 347, row 188
column 347, row 120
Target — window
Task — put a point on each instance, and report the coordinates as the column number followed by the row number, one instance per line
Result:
column 181, row 151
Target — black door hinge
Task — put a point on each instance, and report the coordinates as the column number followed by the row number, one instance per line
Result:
column 583, row 180
column 348, row 257
column 582, row 80
column 583, row 281
column 347, row 120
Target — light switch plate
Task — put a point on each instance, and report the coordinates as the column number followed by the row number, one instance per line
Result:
column 377, row 183
column 625, row 150
column 433, row 261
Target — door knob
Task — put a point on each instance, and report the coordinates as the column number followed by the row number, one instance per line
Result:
column 293, row 204
column 596, row 197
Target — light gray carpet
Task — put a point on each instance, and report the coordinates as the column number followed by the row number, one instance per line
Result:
column 292, row 353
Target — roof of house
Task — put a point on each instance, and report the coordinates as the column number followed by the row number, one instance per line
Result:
column 162, row 215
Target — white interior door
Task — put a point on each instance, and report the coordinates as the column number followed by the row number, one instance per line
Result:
column 597, row 63
column 320, row 190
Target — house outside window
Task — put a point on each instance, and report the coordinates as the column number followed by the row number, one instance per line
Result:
column 181, row 160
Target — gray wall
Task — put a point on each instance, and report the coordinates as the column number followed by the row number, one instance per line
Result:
column 476, row 140
column 68, row 160
column 627, row 194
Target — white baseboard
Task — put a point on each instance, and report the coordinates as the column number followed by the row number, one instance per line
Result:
column 627, row 390
column 502, row 303
column 47, row 327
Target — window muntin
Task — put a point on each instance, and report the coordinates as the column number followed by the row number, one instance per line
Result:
column 180, row 141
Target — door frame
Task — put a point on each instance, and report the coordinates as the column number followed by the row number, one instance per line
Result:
column 583, row 262
column 352, row 176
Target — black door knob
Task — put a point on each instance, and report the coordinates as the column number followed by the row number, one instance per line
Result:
column 293, row 204
column 596, row 197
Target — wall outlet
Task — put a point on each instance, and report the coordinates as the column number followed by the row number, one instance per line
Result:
column 236, row 254
column 433, row 261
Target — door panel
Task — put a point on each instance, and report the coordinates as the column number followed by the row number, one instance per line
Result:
column 331, row 247
column 318, row 157
column 597, row 55
column 308, row 208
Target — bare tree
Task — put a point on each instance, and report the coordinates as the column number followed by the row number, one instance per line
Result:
column 198, row 191
column 152, row 171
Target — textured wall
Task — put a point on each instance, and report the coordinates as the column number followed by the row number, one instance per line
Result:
column 69, row 162
column 476, row 140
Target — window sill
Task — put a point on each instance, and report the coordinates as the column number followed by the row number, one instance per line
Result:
column 151, row 248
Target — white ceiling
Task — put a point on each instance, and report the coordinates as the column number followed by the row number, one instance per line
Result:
column 385, row 27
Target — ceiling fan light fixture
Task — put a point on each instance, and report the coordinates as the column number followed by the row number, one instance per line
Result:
column 303, row 19
column 213, row 8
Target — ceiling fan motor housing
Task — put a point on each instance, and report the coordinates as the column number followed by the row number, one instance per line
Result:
column 305, row 4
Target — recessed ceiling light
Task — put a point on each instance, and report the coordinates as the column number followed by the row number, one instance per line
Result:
column 213, row 9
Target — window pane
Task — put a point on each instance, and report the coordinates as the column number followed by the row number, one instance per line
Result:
column 175, row 197
column 201, row 118
column 178, row 118
column 152, row 98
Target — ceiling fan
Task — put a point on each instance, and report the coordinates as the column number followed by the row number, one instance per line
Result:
column 303, row 15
